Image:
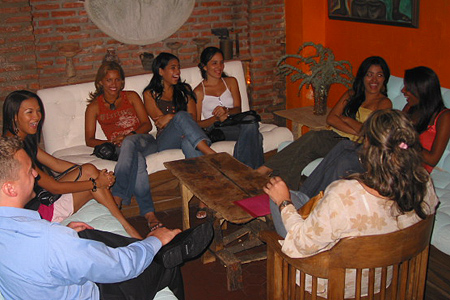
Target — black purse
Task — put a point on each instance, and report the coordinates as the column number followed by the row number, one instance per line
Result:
column 106, row 151
column 214, row 134
column 44, row 196
column 250, row 117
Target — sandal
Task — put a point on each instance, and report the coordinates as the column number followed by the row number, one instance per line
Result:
column 155, row 225
column 201, row 213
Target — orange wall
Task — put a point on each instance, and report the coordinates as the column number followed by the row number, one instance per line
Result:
column 402, row 47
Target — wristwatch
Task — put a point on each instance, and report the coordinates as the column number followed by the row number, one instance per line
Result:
column 284, row 204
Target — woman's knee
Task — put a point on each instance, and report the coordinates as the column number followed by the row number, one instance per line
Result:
column 89, row 170
column 181, row 115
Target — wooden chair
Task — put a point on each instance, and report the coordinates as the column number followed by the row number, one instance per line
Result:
column 406, row 250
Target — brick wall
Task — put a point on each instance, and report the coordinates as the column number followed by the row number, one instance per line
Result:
column 32, row 32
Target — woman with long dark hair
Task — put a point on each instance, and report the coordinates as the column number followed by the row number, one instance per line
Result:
column 124, row 121
column 218, row 97
column 368, row 94
column 171, row 105
column 393, row 193
column 431, row 120
column 23, row 115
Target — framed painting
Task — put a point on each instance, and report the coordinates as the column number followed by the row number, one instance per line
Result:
column 388, row 12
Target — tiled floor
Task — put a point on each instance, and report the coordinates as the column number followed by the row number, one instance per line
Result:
column 208, row 281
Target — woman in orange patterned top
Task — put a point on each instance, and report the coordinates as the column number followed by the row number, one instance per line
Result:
column 123, row 119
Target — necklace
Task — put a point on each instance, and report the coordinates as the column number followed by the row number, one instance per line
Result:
column 112, row 106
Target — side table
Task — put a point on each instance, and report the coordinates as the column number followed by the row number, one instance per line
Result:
column 304, row 116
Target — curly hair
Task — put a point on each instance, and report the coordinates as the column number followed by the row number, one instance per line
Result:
column 358, row 96
column 393, row 160
column 101, row 73
column 181, row 91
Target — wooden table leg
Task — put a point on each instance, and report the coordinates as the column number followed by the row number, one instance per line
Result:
column 296, row 130
column 186, row 196
column 216, row 244
column 234, row 269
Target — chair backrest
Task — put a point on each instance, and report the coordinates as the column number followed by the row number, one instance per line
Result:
column 396, row 261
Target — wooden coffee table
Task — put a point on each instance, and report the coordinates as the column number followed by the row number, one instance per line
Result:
column 217, row 180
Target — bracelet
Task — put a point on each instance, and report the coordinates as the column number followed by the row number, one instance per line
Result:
column 94, row 188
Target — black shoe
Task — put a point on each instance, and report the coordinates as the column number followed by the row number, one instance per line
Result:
column 185, row 246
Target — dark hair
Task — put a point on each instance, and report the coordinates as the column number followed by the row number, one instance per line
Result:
column 423, row 83
column 392, row 156
column 205, row 57
column 181, row 90
column 101, row 73
column 11, row 108
column 358, row 96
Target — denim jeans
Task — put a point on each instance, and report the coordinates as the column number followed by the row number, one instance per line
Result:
column 183, row 133
column 298, row 199
column 339, row 163
column 289, row 162
column 131, row 171
column 249, row 143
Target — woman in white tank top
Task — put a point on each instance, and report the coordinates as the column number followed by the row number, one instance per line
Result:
column 218, row 97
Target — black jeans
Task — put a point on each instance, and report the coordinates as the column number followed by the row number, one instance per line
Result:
column 154, row 278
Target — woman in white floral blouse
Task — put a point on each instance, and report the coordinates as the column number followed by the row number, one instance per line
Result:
column 394, row 193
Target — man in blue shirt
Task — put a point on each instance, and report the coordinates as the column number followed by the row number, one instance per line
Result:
column 42, row 260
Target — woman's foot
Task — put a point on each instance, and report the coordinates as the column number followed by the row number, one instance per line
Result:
column 152, row 221
column 201, row 211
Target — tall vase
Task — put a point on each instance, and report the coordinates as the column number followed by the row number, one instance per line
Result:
column 320, row 99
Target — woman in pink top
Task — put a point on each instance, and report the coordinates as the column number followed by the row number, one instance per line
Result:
column 427, row 111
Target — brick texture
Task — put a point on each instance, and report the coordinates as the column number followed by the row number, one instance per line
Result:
column 33, row 31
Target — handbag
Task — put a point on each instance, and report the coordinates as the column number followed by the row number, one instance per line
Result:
column 106, row 151
column 250, row 117
column 44, row 196
column 214, row 134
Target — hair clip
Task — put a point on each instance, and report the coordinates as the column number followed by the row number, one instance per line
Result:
column 403, row 146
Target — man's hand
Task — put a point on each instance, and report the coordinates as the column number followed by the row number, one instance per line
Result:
column 277, row 190
column 164, row 235
column 79, row 226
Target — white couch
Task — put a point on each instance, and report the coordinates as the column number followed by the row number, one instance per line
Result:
column 440, row 175
column 63, row 129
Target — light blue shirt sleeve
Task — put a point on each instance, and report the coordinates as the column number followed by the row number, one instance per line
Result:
column 88, row 260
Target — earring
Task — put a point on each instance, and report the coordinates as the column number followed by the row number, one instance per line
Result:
column 16, row 131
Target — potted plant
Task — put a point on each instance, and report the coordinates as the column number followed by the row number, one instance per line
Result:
column 318, row 70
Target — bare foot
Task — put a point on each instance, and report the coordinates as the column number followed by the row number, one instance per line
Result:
column 152, row 221
column 201, row 211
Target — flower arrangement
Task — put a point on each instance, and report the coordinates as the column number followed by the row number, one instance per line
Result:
column 319, row 70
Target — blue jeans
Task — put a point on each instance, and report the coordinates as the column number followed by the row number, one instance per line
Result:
column 183, row 133
column 339, row 163
column 298, row 199
column 289, row 162
column 249, row 143
column 131, row 171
